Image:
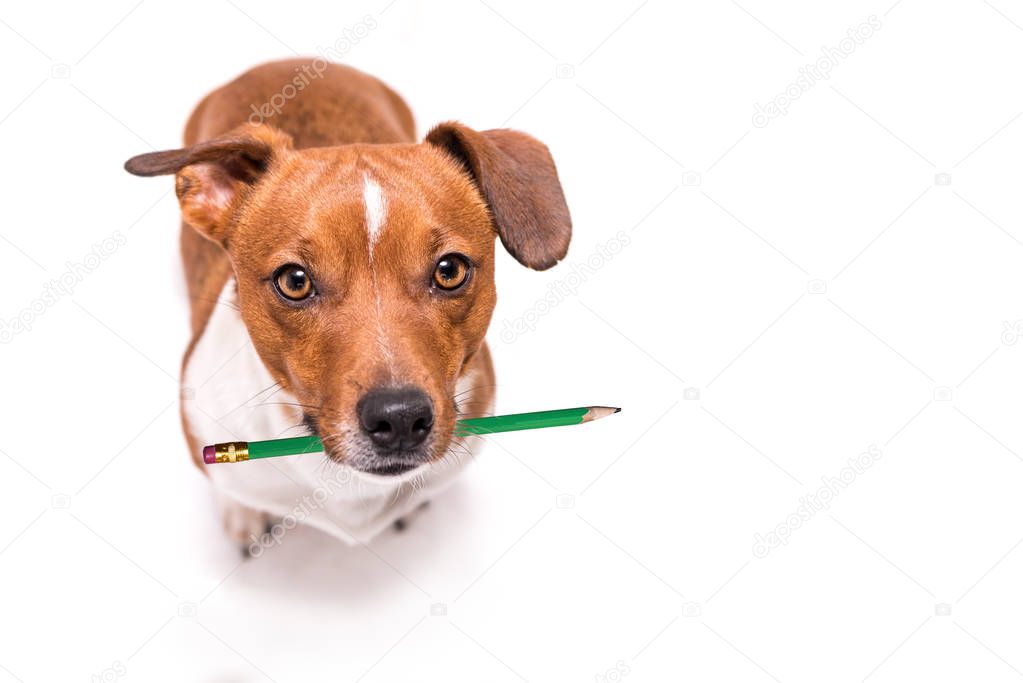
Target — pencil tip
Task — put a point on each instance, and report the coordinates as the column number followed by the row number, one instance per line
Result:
column 597, row 412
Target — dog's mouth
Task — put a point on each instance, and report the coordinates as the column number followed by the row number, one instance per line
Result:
column 370, row 461
column 391, row 470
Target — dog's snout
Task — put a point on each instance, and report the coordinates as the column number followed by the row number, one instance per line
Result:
column 396, row 419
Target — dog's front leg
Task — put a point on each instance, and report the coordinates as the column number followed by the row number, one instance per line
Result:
column 243, row 524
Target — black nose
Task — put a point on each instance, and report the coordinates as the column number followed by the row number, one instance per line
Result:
column 396, row 419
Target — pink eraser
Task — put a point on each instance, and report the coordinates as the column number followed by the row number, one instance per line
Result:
column 209, row 454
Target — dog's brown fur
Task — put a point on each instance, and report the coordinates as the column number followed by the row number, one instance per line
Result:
column 256, row 196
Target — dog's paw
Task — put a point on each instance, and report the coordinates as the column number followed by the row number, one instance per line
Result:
column 242, row 524
column 402, row 523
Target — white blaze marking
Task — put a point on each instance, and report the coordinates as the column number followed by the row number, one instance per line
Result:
column 376, row 210
column 376, row 214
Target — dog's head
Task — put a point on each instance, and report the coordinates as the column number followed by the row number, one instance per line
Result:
column 365, row 273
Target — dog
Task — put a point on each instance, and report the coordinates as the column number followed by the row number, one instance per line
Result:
column 341, row 282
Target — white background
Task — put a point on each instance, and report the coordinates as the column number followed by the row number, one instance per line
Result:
column 812, row 284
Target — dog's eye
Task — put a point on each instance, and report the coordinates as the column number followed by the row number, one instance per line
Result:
column 293, row 282
column 451, row 272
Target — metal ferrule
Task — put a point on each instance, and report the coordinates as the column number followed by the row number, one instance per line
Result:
column 232, row 451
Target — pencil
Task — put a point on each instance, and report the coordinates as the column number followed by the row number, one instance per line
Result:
column 239, row 451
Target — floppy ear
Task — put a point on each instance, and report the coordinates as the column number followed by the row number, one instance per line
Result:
column 517, row 178
column 211, row 176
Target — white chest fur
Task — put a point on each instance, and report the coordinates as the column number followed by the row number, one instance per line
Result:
column 233, row 398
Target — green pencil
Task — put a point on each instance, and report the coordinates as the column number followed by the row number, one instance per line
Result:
column 238, row 451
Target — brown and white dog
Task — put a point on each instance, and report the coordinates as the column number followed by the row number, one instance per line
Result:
column 341, row 278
